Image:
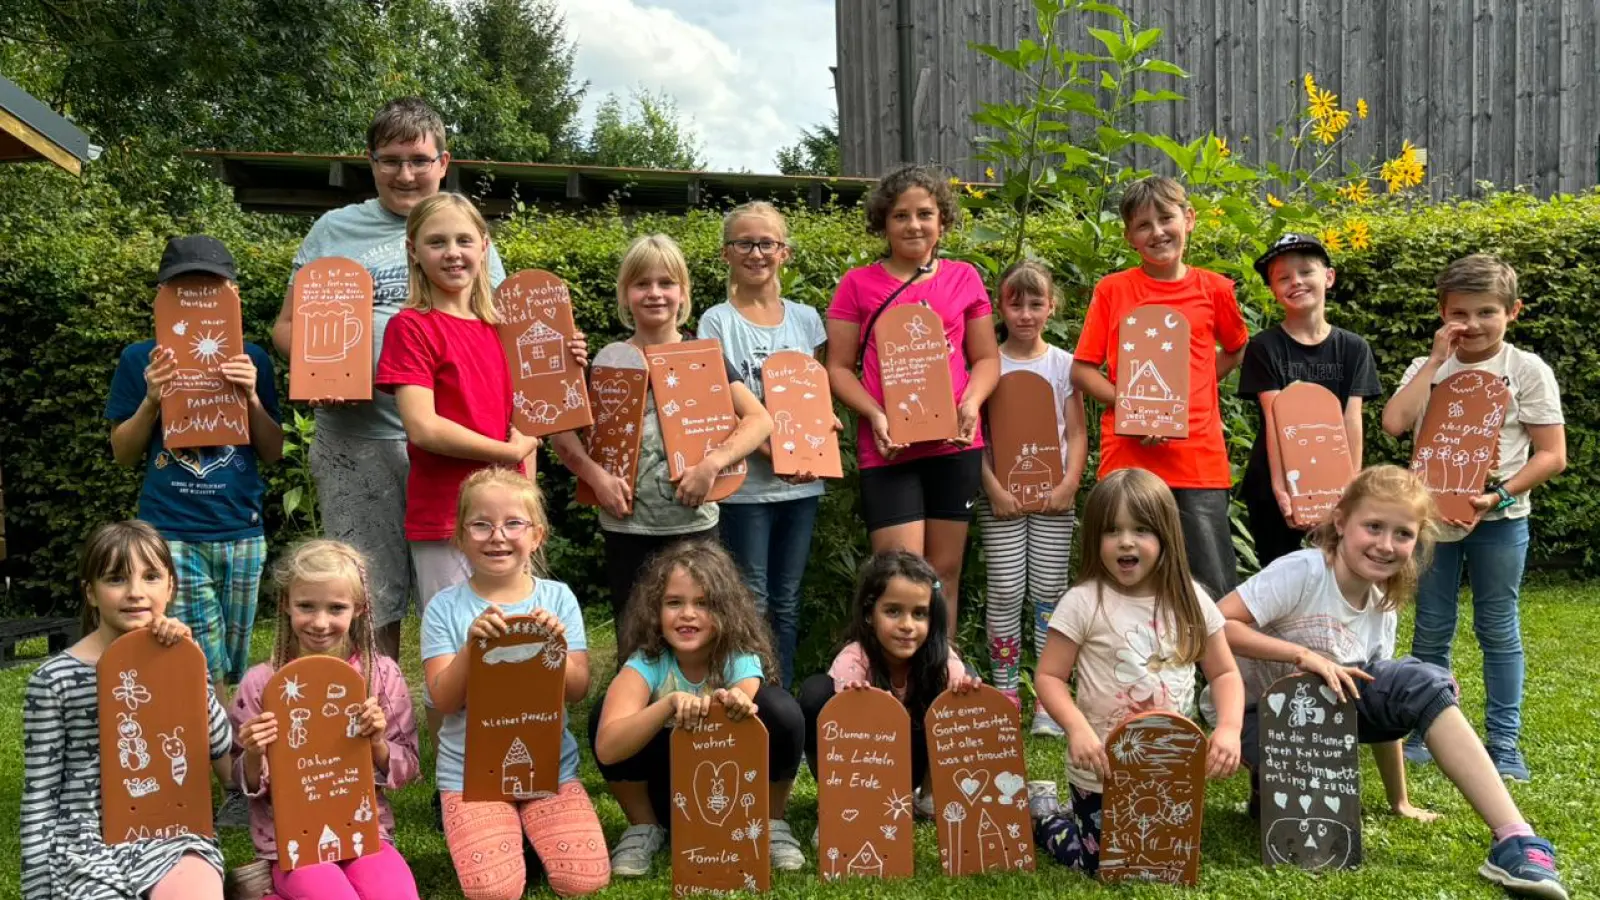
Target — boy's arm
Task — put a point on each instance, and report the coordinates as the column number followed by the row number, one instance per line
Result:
column 1088, row 378
column 282, row 329
column 131, row 436
column 1406, row 407
column 1549, row 459
column 266, row 435
column 1269, row 427
column 1228, row 360
column 1354, row 431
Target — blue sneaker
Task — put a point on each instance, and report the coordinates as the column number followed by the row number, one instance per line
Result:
column 1524, row 865
column 1416, row 751
column 1509, row 763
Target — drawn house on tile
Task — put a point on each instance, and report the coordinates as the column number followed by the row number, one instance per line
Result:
column 992, row 850
column 329, row 847
column 866, row 862
column 516, row 771
column 1030, row 480
column 540, row 350
column 1147, row 383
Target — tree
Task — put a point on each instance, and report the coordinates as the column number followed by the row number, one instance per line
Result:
column 649, row 134
column 816, row 153
column 524, row 54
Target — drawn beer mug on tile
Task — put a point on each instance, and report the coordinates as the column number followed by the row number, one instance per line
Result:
column 331, row 328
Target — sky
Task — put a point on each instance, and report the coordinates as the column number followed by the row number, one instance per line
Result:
column 747, row 75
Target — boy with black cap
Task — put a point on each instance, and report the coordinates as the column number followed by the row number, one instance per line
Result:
column 1304, row 347
column 207, row 502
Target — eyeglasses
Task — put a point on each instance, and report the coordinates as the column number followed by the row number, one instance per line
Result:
column 511, row 528
column 392, row 164
column 767, row 248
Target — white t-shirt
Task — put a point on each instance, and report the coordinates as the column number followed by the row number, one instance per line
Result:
column 1297, row 599
column 1124, row 659
column 1535, row 400
column 1055, row 367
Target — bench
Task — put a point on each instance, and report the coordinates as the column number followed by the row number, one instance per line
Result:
column 59, row 632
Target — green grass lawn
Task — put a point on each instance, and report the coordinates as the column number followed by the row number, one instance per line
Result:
column 1402, row 857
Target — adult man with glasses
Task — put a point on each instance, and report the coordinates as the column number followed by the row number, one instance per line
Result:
column 358, row 456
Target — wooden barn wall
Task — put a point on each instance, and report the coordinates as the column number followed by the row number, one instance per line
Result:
column 1498, row 91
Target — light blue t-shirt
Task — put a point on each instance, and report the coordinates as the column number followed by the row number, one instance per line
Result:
column 747, row 346
column 664, row 677
column 375, row 238
column 444, row 631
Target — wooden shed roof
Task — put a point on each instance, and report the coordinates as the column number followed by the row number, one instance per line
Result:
column 31, row 131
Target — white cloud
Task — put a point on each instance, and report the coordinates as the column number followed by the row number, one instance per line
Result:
column 749, row 76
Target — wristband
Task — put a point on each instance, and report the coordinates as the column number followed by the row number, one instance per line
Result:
column 1506, row 499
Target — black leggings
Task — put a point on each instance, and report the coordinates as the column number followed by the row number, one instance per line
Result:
column 816, row 691
column 626, row 555
column 652, row 765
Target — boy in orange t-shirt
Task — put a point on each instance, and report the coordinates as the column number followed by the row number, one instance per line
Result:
column 1156, row 221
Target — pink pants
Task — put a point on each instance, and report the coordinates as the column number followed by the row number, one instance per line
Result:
column 485, row 840
column 378, row 875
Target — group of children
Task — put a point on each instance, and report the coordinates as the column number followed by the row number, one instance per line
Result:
column 698, row 625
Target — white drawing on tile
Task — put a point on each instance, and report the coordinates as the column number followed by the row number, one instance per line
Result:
column 297, row 726
column 954, row 815
column 180, row 327
column 330, row 710
column 363, row 812
column 352, row 727
column 141, row 787
column 971, row 783
column 355, row 843
column 1008, row 784
column 866, row 863
column 293, row 690
column 209, row 348
column 993, row 851
column 897, row 805
column 716, row 790
column 172, row 746
column 133, row 753
column 336, row 691
column 329, row 847
column 130, row 693
column 1303, row 710
column 513, row 654
column 573, row 398
column 294, row 853
column 889, row 831
column 916, row 329
column 516, row 771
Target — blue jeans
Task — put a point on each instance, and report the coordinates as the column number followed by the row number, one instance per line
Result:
column 1494, row 553
column 771, row 543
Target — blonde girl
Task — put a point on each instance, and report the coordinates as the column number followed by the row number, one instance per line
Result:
column 691, row 637
column 500, row 529
column 126, row 575
column 1127, row 636
column 655, row 512
column 767, row 524
column 442, row 362
column 1332, row 610
column 1029, row 555
column 325, row 609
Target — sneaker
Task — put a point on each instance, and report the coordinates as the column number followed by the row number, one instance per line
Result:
column 1524, row 865
column 922, row 807
column 1045, row 726
column 784, row 847
column 1509, row 763
column 1012, row 695
column 234, row 811
column 636, row 848
column 1416, row 751
column 1043, row 802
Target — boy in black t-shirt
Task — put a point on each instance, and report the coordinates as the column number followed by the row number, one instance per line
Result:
column 1303, row 348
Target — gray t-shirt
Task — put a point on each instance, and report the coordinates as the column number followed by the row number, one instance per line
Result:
column 375, row 238
column 746, row 346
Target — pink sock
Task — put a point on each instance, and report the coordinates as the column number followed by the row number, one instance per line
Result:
column 1520, row 829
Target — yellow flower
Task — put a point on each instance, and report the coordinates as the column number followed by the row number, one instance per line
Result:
column 1323, row 103
column 1360, row 235
column 977, row 193
column 1216, row 212
column 1339, row 119
column 1404, row 170
column 989, row 172
column 1361, row 108
column 1222, row 147
column 1274, row 202
column 1331, row 240
column 1325, row 131
column 1356, row 191
column 1311, row 86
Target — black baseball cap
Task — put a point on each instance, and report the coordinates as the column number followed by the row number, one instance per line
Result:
column 1292, row 242
column 196, row 253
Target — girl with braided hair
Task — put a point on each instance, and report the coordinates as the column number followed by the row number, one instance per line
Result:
column 324, row 608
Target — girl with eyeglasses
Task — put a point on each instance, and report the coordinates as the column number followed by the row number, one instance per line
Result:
column 500, row 529
column 767, row 524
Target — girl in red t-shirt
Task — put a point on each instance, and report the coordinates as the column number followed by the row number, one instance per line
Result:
column 915, row 497
column 442, row 361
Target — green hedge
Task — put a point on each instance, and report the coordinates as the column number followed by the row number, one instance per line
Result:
column 75, row 265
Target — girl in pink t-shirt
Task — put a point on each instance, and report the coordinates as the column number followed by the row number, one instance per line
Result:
column 442, row 361
column 916, row 497
column 898, row 642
